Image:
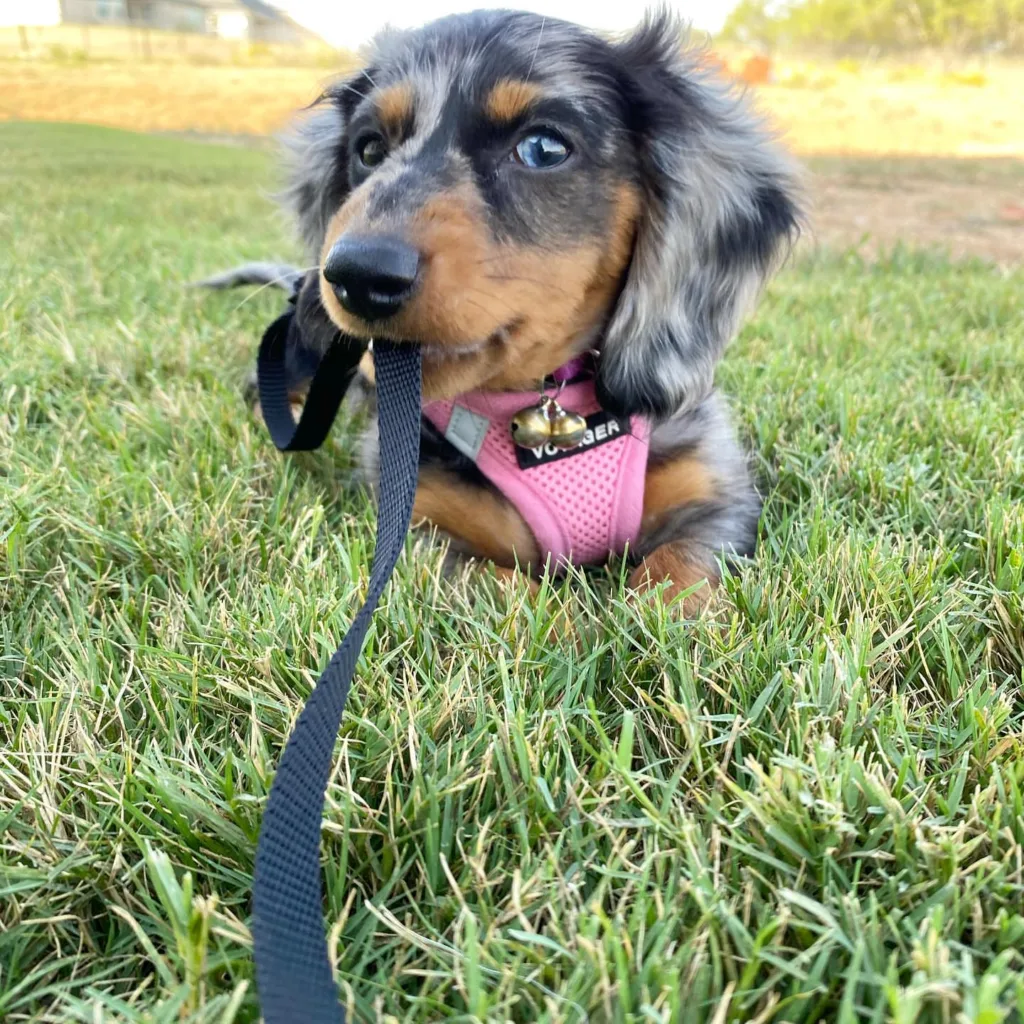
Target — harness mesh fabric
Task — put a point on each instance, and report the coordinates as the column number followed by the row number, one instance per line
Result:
column 293, row 972
column 580, row 508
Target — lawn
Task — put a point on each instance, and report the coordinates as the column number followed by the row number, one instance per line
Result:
column 807, row 808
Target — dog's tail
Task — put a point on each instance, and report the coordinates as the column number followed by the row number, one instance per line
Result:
column 270, row 275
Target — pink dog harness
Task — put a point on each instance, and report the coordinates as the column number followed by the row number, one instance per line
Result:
column 582, row 504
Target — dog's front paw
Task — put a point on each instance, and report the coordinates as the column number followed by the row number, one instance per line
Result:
column 251, row 395
column 688, row 580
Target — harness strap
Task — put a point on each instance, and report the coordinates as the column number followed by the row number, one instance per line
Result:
column 293, row 971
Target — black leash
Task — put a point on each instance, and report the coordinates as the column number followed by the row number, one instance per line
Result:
column 293, row 971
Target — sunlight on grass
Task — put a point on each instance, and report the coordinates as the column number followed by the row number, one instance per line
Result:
column 890, row 109
column 808, row 808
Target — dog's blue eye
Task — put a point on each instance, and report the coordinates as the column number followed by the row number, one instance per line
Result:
column 372, row 150
column 541, row 150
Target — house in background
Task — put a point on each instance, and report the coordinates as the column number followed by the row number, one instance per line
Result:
column 251, row 20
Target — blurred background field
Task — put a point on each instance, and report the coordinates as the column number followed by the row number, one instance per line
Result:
column 921, row 104
column 913, row 145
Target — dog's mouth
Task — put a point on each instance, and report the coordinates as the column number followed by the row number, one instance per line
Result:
column 435, row 354
column 443, row 353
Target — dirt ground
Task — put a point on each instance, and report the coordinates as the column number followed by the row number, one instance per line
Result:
column 963, row 207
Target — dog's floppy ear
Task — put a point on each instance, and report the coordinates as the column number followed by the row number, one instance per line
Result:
column 316, row 157
column 720, row 205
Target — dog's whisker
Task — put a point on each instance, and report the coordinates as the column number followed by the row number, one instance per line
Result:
column 489, row 297
column 271, row 284
column 493, row 259
column 325, row 95
column 481, row 306
column 536, row 49
column 338, row 88
column 551, row 289
column 525, row 280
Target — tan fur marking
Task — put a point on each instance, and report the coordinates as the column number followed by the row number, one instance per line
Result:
column 673, row 564
column 618, row 248
column 296, row 399
column 394, row 107
column 480, row 520
column 669, row 485
column 683, row 481
column 522, row 311
column 510, row 99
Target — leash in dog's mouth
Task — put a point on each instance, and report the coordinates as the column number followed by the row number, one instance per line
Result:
column 293, row 970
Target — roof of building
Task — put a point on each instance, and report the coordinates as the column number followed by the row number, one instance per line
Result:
column 259, row 8
column 265, row 10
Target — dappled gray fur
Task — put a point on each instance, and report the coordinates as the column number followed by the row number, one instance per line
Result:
column 313, row 154
column 720, row 207
column 727, row 526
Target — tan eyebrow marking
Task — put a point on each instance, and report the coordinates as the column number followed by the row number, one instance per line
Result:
column 395, row 106
column 510, row 99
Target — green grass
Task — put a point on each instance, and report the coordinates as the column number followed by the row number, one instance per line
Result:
column 808, row 809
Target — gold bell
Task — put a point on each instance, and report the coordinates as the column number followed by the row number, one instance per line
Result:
column 567, row 428
column 546, row 423
column 532, row 427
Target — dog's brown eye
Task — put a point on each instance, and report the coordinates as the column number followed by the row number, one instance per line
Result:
column 371, row 151
column 541, row 150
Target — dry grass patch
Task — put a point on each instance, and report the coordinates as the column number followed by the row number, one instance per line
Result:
column 158, row 97
column 908, row 112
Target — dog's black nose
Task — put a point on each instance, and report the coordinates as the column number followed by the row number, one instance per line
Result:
column 372, row 277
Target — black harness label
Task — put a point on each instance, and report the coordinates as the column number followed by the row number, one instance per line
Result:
column 602, row 427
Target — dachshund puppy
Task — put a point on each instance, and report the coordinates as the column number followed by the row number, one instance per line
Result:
column 551, row 216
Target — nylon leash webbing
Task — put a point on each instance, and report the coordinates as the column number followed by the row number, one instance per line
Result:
column 293, row 972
